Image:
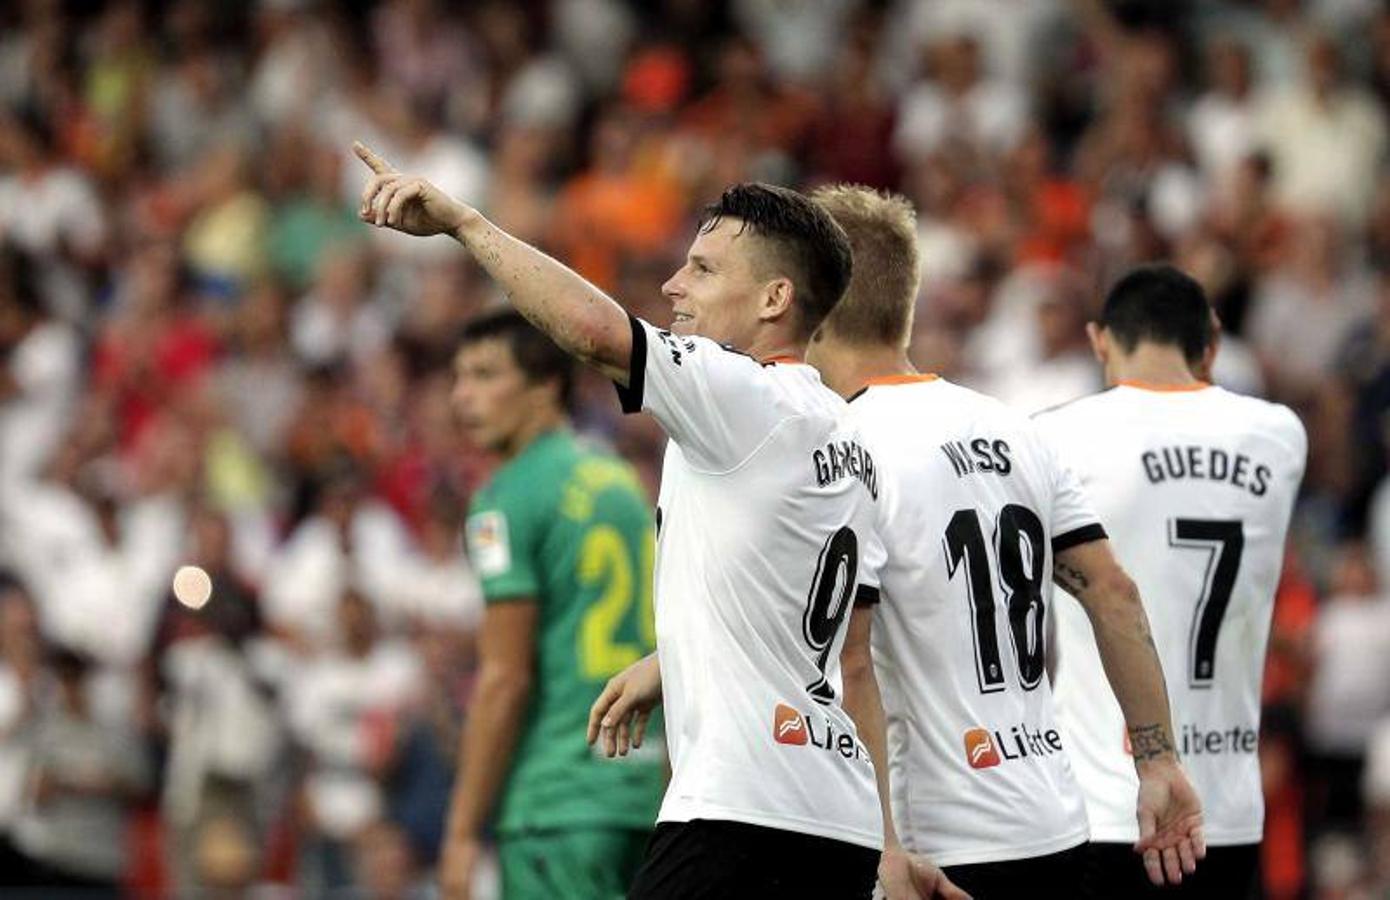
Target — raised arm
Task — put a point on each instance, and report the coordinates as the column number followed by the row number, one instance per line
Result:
column 1170, row 814
column 580, row 318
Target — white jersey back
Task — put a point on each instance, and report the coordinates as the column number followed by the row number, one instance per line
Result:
column 972, row 505
column 765, row 537
column 1196, row 488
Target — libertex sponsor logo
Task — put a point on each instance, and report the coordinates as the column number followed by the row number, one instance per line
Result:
column 791, row 726
column 787, row 726
column 985, row 749
column 979, row 749
column 1194, row 740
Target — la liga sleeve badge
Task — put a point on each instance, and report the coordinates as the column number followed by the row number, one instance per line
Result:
column 489, row 548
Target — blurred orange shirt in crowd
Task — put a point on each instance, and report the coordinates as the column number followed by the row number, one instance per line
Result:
column 1286, row 673
column 601, row 217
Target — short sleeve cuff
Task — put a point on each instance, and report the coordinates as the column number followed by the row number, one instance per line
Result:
column 630, row 396
column 866, row 595
column 1078, row 536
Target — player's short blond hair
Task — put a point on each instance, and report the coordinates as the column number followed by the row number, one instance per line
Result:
column 877, row 307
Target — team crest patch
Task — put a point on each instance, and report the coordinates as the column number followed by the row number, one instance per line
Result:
column 488, row 546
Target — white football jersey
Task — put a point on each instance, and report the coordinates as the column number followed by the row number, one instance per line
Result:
column 972, row 506
column 1196, row 487
column 764, row 539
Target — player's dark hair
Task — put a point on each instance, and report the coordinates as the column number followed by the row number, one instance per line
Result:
column 809, row 247
column 1161, row 304
column 535, row 354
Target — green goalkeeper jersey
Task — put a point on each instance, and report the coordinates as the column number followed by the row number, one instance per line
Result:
column 570, row 527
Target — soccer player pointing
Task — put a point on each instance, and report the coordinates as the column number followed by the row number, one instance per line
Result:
column 765, row 533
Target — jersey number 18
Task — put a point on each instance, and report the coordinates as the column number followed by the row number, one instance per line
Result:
column 1019, row 554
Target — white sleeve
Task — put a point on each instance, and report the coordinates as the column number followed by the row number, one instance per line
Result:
column 873, row 556
column 873, row 551
column 706, row 397
column 1074, row 521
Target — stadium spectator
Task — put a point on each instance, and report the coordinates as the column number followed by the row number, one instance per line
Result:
column 85, row 776
column 341, row 707
column 224, row 731
column 40, row 380
column 1326, row 137
column 49, row 209
column 1347, row 697
column 22, row 673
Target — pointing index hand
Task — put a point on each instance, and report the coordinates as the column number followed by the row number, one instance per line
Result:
column 374, row 162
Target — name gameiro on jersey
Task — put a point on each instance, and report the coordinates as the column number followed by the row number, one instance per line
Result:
column 766, row 538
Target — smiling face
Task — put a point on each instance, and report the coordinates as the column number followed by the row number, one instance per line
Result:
column 721, row 292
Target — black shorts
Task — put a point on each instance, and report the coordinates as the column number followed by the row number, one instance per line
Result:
column 715, row 860
column 1227, row 873
column 1056, row 876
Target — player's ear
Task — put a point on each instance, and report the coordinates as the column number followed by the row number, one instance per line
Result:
column 1100, row 342
column 1213, row 346
column 778, row 295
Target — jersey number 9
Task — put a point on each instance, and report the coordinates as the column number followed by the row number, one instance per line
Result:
column 832, row 591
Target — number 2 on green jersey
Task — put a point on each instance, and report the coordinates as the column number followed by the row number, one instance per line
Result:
column 605, row 561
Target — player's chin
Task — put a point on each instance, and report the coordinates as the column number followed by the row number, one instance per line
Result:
column 684, row 327
column 480, row 436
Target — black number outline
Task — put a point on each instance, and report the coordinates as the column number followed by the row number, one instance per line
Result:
column 964, row 541
column 1017, row 521
column 964, row 528
column 820, row 624
column 1224, row 542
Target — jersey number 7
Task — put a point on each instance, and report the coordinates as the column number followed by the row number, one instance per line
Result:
column 1224, row 541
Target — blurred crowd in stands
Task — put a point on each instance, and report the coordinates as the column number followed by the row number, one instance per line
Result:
column 206, row 359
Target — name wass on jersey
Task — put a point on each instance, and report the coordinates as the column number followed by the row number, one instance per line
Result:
column 765, row 537
column 1196, row 487
column 972, row 509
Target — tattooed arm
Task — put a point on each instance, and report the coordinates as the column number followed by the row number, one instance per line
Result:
column 1091, row 574
column 1170, row 820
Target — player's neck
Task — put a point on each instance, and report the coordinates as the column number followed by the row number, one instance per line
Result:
column 1150, row 364
column 776, row 347
column 846, row 368
column 530, row 431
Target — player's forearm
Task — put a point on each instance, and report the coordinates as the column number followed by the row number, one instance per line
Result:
column 864, row 704
column 1111, row 600
column 495, row 717
column 580, row 318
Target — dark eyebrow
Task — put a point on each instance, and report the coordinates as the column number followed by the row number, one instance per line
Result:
column 697, row 259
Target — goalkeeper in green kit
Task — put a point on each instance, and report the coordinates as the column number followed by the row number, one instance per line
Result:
column 561, row 538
